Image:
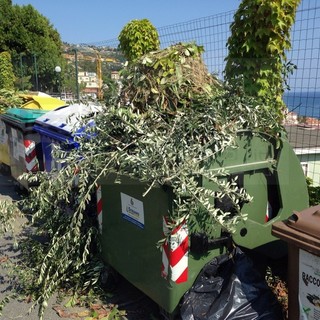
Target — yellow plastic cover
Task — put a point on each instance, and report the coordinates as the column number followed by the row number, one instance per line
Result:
column 42, row 102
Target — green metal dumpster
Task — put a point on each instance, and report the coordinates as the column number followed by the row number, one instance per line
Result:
column 131, row 224
column 25, row 150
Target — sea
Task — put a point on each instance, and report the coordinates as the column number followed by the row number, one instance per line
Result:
column 305, row 104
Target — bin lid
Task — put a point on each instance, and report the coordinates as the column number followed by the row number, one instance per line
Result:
column 42, row 102
column 23, row 115
column 306, row 221
column 66, row 118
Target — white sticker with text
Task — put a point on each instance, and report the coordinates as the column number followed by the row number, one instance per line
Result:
column 132, row 210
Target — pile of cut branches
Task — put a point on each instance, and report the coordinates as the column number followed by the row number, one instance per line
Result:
column 171, row 119
column 168, row 79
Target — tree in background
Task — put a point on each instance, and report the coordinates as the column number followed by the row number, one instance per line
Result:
column 137, row 38
column 110, row 88
column 260, row 36
column 8, row 98
column 35, row 46
column 69, row 82
column 6, row 19
column 7, row 78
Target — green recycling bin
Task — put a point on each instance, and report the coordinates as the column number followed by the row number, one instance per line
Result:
column 24, row 143
column 131, row 224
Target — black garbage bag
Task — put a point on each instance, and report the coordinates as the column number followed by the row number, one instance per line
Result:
column 229, row 288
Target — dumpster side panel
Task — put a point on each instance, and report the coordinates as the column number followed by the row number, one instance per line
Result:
column 57, row 126
column 25, row 153
column 130, row 245
column 49, row 137
column 291, row 191
column 49, row 162
column 25, row 150
column 274, row 178
column 4, row 148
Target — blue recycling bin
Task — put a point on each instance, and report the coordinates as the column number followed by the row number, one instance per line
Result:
column 59, row 127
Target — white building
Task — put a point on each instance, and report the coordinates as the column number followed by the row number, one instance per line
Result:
column 90, row 80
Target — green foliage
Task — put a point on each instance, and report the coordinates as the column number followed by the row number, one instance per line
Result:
column 9, row 99
column 173, row 150
column 168, row 79
column 137, row 38
column 7, row 77
column 260, row 36
column 6, row 18
column 35, row 46
column 314, row 193
column 111, row 88
column 65, row 256
column 8, row 214
column 68, row 78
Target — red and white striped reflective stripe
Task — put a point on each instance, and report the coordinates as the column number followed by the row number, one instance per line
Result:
column 268, row 215
column 31, row 156
column 99, row 207
column 175, row 253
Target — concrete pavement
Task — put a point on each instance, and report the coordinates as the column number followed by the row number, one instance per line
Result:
column 19, row 309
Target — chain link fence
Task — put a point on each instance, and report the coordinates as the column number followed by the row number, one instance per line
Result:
column 303, row 99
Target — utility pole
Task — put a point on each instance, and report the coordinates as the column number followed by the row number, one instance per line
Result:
column 21, row 73
column 57, row 69
column 36, row 71
column 76, row 68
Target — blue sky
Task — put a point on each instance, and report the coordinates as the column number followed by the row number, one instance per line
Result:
column 80, row 21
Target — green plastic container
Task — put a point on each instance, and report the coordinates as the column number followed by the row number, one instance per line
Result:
column 24, row 143
column 274, row 178
column 132, row 224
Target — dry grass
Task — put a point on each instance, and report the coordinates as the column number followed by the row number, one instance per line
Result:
column 280, row 290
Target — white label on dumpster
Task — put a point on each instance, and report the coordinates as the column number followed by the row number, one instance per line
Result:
column 132, row 210
column 17, row 144
column 309, row 286
column 14, row 133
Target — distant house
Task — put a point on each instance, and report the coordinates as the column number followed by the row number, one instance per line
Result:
column 291, row 118
column 305, row 140
column 115, row 75
column 90, row 80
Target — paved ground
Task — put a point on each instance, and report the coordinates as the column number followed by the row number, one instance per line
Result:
column 138, row 306
column 16, row 309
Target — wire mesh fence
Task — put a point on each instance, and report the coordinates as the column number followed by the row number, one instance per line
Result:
column 303, row 99
column 210, row 32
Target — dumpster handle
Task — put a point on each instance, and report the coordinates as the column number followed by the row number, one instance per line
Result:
column 200, row 243
column 248, row 166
